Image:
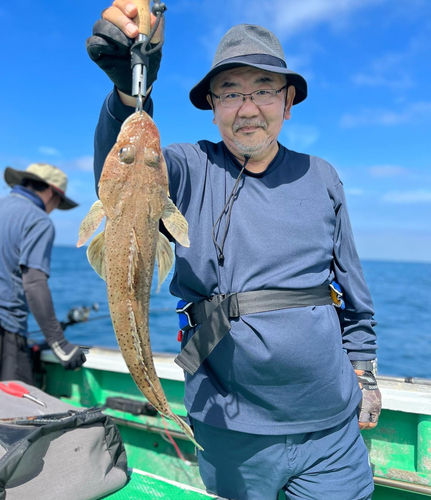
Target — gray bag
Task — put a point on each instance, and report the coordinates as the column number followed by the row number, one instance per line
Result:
column 75, row 454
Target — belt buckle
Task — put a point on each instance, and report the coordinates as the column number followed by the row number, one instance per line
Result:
column 184, row 310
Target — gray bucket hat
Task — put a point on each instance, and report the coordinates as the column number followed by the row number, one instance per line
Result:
column 44, row 172
column 248, row 45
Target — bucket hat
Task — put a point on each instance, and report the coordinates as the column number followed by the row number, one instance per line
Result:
column 43, row 172
column 248, row 45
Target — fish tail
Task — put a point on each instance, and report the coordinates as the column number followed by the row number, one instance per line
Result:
column 186, row 428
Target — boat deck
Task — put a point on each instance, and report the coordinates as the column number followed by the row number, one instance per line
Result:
column 144, row 486
column 399, row 448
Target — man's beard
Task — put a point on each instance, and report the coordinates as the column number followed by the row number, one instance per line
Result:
column 256, row 147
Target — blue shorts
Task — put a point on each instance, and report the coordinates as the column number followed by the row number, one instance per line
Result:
column 327, row 465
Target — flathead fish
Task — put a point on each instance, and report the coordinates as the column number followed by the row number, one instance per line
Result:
column 133, row 192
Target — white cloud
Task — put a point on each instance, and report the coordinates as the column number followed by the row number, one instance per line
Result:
column 84, row 163
column 387, row 171
column 46, row 150
column 355, row 192
column 301, row 136
column 291, row 16
column 389, row 70
column 375, row 79
column 396, row 70
column 285, row 17
column 383, row 117
column 408, row 197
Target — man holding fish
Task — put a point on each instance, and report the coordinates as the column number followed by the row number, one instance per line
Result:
column 272, row 367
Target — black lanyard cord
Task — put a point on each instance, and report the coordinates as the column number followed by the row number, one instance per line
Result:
column 229, row 202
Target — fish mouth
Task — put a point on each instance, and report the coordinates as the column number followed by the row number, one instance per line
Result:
column 128, row 120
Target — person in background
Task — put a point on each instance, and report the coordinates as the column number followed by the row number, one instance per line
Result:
column 274, row 400
column 26, row 240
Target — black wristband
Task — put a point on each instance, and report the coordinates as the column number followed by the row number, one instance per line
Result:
column 368, row 381
column 367, row 366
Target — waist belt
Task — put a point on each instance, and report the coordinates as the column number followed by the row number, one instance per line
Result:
column 214, row 316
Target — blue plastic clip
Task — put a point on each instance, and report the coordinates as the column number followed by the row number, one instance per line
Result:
column 184, row 319
column 337, row 295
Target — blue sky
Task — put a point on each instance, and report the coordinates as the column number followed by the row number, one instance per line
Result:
column 367, row 63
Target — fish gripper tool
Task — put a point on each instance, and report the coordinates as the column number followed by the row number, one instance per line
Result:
column 142, row 48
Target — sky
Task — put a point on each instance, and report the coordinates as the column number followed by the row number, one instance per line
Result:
column 368, row 112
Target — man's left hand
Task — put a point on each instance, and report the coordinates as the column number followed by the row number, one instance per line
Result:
column 371, row 403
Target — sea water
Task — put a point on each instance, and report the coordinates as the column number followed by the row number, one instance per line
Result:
column 401, row 294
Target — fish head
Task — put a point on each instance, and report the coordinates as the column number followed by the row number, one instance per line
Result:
column 134, row 163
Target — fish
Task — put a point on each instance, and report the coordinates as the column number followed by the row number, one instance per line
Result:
column 134, row 197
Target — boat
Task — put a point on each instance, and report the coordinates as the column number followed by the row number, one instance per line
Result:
column 162, row 461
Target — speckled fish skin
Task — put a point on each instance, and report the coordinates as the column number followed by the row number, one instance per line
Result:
column 133, row 190
column 134, row 196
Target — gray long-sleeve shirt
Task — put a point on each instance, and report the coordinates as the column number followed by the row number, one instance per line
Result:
column 278, row 372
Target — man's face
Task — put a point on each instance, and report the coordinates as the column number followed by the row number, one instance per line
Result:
column 250, row 129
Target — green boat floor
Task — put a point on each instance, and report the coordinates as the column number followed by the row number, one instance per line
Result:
column 143, row 486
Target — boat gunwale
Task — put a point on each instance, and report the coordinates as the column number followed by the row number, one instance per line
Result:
column 397, row 395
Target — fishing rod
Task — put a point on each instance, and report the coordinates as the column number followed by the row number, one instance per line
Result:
column 78, row 314
column 75, row 315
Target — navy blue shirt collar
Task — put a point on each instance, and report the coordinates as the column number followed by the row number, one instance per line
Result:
column 31, row 195
column 276, row 161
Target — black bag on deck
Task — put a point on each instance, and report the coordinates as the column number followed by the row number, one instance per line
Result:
column 69, row 455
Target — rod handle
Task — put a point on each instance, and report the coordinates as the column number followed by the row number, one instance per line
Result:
column 143, row 18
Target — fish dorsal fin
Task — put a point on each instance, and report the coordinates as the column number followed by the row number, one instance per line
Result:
column 176, row 224
column 91, row 222
column 96, row 255
column 164, row 257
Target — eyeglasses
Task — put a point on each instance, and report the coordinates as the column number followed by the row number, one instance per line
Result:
column 259, row 97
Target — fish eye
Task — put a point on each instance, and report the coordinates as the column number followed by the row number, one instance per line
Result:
column 153, row 159
column 127, row 154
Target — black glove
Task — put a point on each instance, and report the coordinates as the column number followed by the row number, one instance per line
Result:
column 371, row 404
column 109, row 48
column 70, row 355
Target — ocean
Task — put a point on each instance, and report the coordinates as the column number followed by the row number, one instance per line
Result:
column 401, row 293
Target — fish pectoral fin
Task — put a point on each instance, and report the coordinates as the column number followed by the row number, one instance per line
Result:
column 91, row 222
column 176, row 224
column 96, row 255
column 164, row 257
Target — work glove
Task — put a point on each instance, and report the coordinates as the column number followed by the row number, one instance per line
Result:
column 70, row 355
column 109, row 48
column 371, row 404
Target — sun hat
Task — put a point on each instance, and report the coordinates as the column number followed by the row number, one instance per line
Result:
column 44, row 172
column 248, row 45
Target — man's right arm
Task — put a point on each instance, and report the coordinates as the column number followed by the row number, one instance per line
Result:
column 109, row 48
